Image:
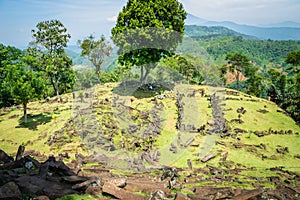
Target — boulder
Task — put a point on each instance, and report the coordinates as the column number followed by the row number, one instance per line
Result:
column 10, row 191
column 248, row 194
column 38, row 186
column 4, row 158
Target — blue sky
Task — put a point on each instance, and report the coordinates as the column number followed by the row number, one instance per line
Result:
column 83, row 17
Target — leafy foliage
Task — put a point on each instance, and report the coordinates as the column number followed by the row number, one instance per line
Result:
column 147, row 31
column 50, row 39
column 262, row 52
column 96, row 50
column 293, row 58
column 8, row 56
column 23, row 85
column 238, row 63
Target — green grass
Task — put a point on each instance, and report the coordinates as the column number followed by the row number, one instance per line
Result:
column 254, row 120
column 50, row 117
column 78, row 197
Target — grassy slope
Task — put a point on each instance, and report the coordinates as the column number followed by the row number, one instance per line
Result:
column 50, row 117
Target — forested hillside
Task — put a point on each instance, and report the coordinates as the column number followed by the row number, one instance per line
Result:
column 218, row 41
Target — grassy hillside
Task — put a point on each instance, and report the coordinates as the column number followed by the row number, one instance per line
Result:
column 55, row 128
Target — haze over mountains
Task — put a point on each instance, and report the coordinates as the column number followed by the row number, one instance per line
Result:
column 281, row 31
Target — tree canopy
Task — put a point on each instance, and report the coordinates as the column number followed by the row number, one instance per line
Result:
column 50, row 39
column 293, row 58
column 147, row 31
column 238, row 64
column 95, row 50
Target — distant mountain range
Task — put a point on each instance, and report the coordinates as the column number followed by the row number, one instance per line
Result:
column 211, row 32
column 281, row 31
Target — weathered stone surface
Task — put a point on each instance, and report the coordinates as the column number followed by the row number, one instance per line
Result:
column 148, row 187
column 118, row 182
column 248, row 194
column 94, row 190
column 74, row 179
column 20, row 152
column 39, row 186
column 180, row 196
column 120, row 193
column 158, row 195
column 207, row 158
column 4, row 158
column 211, row 193
column 10, row 191
column 86, row 184
column 41, row 198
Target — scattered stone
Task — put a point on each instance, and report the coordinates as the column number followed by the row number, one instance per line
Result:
column 189, row 141
column 297, row 156
column 158, row 195
column 224, row 156
column 241, row 110
column 190, row 164
column 173, row 148
column 208, row 157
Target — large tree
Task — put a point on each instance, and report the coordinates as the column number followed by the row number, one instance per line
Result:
column 147, row 31
column 50, row 39
column 95, row 50
column 238, row 63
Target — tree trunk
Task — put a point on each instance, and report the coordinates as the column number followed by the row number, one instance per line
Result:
column 55, row 85
column 98, row 77
column 142, row 74
column 57, row 92
column 25, row 112
column 144, row 77
column 238, row 80
column 146, row 74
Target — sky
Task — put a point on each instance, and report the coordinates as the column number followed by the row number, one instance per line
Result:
column 85, row 17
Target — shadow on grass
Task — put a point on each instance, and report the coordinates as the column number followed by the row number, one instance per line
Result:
column 133, row 88
column 33, row 121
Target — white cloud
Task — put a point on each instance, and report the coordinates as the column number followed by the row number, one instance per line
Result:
column 245, row 11
column 112, row 19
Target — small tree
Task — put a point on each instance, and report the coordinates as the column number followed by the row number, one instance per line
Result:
column 8, row 56
column 51, row 38
column 147, row 31
column 95, row 50
column 293, row 58
column 24, row 85
column 237, row 64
